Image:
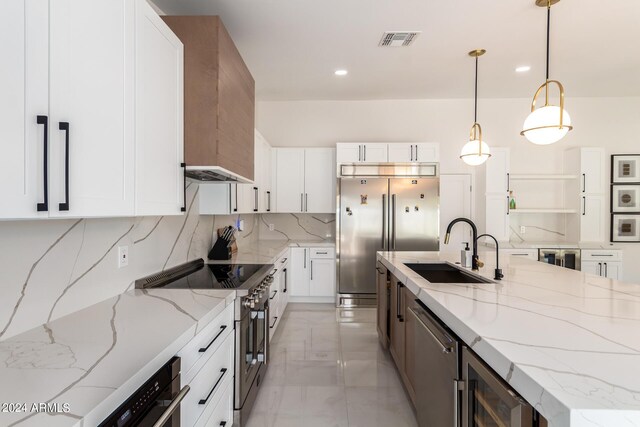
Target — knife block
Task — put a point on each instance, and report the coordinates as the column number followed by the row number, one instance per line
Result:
column 223, row 249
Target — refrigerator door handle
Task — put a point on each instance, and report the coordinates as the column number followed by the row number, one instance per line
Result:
column 393, row 221
column 384, row 221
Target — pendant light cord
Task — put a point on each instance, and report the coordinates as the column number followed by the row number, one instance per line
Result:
column 548, row 33
column 475, row 111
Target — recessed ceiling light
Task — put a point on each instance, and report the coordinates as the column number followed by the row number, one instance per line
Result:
column 341, row 72
column 523, row 69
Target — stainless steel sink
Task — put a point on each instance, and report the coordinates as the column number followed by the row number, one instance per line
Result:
column 445, row 273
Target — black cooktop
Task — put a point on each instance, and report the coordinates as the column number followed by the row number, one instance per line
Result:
column 198, row 275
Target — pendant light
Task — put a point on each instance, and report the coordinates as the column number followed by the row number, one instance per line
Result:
column 549, row 124
column 476, row 151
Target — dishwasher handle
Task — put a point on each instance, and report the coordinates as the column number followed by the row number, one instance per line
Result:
column 445, row 347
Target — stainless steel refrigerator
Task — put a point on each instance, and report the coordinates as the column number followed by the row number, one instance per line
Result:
column 382, row 208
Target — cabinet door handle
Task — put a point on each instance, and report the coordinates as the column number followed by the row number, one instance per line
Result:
column 584, row 206
column 399, row 302
column 284, row 291
column 301, row 202
column 599, row 269
column 306, row 202
column 64, row 126
column 584, row 182
column 359, row 153
column 311, row 267
column 44, row 120
column 606, row 270
column 235, row 209
column 223, row 371
column 416, row 159
column 274, row 294
column 412, row 152
column 268, row 201
column 508, row 181
column 305, row 258
column 183, row 165
column 508, row 207
column 255, row 199
column 364, row 153
column 203, row 349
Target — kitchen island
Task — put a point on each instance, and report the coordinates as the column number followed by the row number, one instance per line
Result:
column 566, row 341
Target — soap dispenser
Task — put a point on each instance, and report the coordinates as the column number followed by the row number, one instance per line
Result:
column 466, row 257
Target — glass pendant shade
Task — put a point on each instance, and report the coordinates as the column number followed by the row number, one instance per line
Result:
column 542, row 126
column 475, row 152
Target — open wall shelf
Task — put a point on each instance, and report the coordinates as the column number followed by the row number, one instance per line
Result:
column 538, row 177
column 542, row 211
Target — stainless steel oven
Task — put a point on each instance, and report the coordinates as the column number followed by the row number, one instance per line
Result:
column 156, row 403
column 252, row 350
column 488, row 400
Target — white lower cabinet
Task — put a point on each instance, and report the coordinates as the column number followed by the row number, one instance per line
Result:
column 531, row 254
column 209, row 373
column 604, row 263
column 313, row 274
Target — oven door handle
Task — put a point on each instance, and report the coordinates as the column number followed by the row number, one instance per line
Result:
column 175, row 403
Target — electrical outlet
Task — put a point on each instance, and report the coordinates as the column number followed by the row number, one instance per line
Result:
column 272, row 227
column 123, row 256
column 523, row 229
column 241, row 225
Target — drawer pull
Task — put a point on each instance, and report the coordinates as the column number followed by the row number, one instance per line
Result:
column 321, row 253
column 284, row 260
column 602, row 255
column 274, row 295
column 223, row 371
column 275, row 320
column 222, row 328
column 519, row 254
column 223, row 423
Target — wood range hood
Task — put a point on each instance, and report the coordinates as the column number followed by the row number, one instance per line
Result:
column 219, row 102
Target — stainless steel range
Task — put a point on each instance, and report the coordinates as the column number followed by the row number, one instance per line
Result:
column 251, row 283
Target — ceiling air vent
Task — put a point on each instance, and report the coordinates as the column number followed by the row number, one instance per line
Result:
column 398, row 38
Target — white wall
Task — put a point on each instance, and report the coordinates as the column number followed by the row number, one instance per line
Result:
column 610, row 122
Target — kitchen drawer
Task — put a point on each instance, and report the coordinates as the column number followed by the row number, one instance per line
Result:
column 601, row 255
column 207, row 384
column 208, row 340
column 222, row 413
column 322, row 253
column 521, row 253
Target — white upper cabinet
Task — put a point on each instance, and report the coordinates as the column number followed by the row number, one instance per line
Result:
column 91, row 98
column 592, row 170
column 70, row 88
column 423, row 152
column 24, row 108
column 290, row 179
column 362, row 152
column 498, row 171
column 159, row 119
column 305, row 180
column 320, row 180
column 263, row 170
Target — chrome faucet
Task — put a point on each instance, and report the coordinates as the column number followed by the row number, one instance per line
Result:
column 498, row 271
column 475, row 264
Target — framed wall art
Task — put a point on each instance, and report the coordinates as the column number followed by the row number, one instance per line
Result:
column 625, row 228
column 625, row 198
column 625, row 168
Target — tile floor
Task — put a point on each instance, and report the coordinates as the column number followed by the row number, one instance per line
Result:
column 328, row 369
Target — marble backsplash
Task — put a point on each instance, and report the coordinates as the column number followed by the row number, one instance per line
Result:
column 51, row 268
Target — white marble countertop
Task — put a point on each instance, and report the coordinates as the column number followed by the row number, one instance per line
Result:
column 95, row 358
column 552, row 245
column 268, row 251
column 568, row 342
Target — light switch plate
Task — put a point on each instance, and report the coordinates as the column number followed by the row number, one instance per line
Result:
column 123, row 256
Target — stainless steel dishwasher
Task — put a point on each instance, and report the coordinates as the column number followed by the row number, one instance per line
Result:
column 437, row 375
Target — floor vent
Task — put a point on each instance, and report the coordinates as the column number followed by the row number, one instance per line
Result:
column 398, row 38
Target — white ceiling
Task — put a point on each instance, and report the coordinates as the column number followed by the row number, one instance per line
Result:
column 292, row 47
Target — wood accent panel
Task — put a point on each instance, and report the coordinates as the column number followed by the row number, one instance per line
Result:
column 219, row 96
